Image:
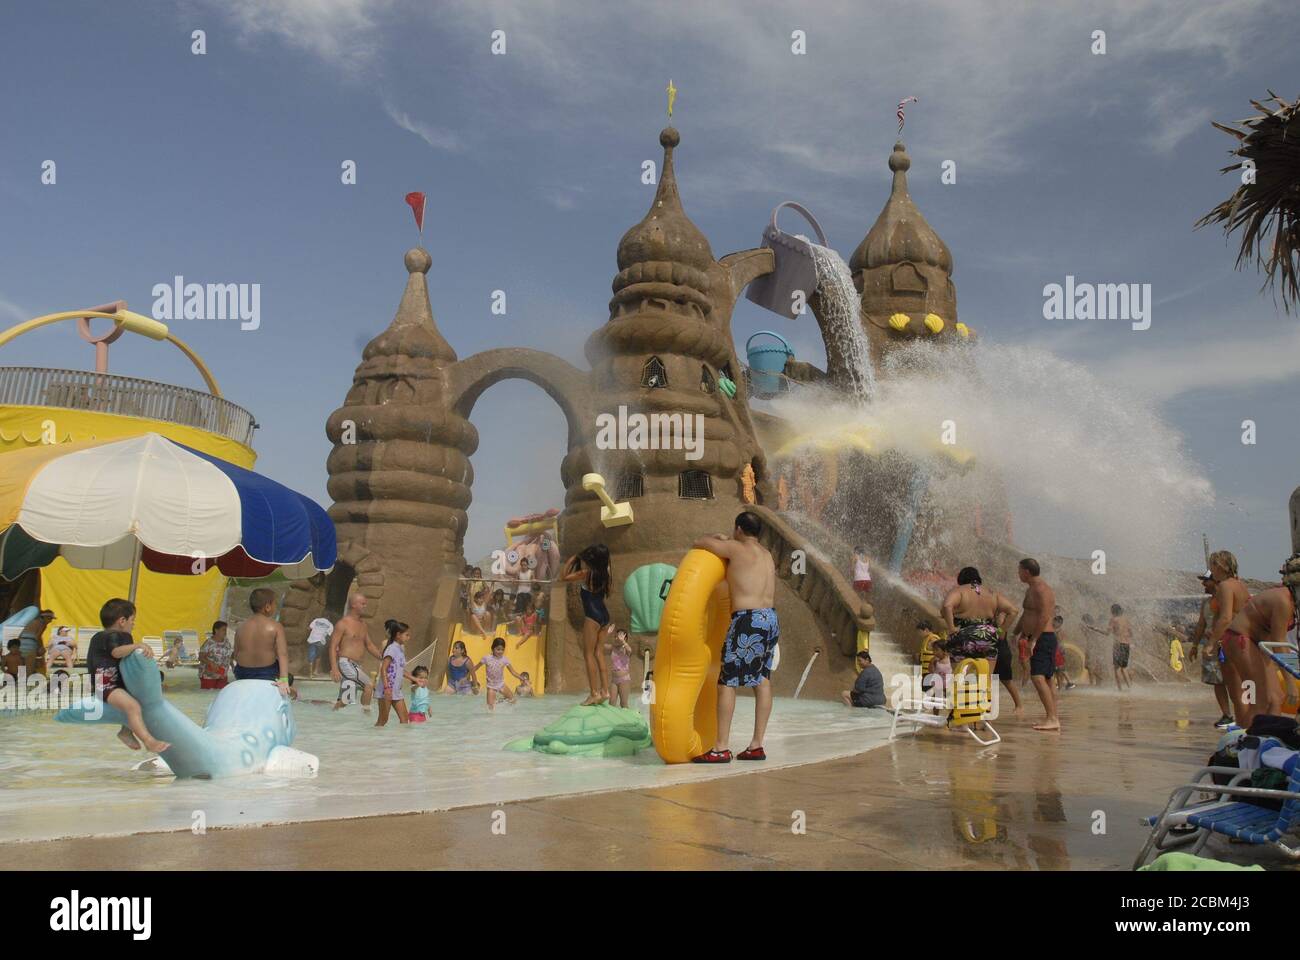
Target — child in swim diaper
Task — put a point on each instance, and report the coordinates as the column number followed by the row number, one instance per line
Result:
column 419, row 708
column 620, row 663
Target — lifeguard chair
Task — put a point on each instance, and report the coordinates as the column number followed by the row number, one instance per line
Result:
column 968, row 709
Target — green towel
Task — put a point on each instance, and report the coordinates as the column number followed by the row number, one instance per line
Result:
column 1187, row 861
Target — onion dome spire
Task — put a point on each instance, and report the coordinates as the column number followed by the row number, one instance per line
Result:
column 413, row 332
column 900, row 233
column 665, row 256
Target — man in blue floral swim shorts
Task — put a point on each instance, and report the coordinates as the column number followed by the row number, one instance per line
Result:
column 751, row 640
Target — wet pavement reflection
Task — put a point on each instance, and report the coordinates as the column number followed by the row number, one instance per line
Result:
column 1036, row 801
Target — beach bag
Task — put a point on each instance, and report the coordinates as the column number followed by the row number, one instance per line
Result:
column 795, row 269
column 1280, row 728
column 1267, row 778
column 1223, row 758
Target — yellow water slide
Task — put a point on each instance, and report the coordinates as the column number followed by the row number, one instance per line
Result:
column 683, row 709
column 530, row 658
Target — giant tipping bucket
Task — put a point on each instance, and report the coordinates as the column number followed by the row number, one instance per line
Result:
column 793, row 279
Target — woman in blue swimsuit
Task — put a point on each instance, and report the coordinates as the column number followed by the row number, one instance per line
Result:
column 592, row 569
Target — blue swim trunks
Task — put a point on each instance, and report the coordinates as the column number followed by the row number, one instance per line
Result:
column 748, row 650
column 269, row 672
column 1043, row 662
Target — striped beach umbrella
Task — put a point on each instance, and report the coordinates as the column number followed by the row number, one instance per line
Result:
column 117, row 504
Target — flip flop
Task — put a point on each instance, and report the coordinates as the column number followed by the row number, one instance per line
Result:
column 713, row 756
column 756, row 753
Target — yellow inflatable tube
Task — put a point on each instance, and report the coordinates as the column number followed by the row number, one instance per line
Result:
column 684, row 708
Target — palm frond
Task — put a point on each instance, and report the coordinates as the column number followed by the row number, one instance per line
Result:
column 1267, row 211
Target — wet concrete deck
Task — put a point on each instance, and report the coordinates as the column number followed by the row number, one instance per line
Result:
column 1036, row 801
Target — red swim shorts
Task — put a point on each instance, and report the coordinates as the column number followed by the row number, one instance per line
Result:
column 862, row 586
column 1241, row 639
column 214, row 684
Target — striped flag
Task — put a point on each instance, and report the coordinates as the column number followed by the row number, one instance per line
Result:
column 901, row 104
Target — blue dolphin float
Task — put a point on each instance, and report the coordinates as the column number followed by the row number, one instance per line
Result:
column 248, row 729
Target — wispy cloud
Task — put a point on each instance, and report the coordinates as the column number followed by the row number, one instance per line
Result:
column 563, row 198
column 344, row 33
column 436, row 137
column 1218, row 361
column 988, row 75
column 11, row 312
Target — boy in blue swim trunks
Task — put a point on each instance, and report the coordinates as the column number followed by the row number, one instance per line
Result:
column 261, row 651
column 752, row 637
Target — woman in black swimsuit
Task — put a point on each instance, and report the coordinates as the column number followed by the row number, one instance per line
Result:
column 592, row 569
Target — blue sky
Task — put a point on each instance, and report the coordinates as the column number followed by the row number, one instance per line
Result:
column 226, row 168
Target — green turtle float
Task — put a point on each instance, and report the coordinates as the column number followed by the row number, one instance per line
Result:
column 598, row 731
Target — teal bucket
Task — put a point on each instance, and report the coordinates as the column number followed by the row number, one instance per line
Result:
column 766, row 362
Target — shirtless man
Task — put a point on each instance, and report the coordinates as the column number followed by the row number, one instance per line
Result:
column 1264, row 618
column 1230, row 595
column 1211, row 670
column 752, row 637
column 348, row 645
column 261, row 652
column 1036, row 628
column 1121, row 629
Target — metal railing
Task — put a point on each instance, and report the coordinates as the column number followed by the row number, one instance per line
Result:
column 125, row 396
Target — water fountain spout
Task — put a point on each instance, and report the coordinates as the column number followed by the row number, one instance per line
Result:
column 611, row 514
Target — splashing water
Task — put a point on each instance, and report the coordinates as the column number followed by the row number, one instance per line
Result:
column 842, row 315
column 1085, row 465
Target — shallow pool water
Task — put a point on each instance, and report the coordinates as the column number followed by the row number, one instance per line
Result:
column 65, row 780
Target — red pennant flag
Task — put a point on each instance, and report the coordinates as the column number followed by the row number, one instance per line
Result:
column 416, row 203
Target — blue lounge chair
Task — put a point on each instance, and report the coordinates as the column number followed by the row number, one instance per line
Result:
column 1285, row 655
column 1223, row 815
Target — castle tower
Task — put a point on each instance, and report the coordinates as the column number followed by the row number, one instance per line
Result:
column 904, row 273
column 664, row 351
column 399, row 471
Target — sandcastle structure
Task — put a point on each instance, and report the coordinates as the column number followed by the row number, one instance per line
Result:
column 401, row 479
